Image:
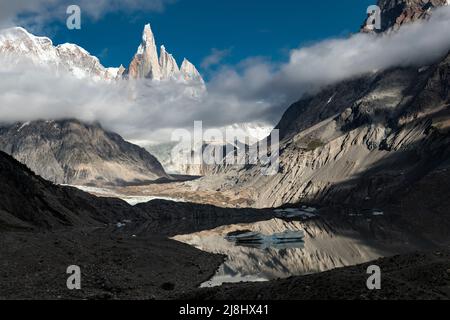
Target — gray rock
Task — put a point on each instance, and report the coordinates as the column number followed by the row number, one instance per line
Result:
column 72, row 152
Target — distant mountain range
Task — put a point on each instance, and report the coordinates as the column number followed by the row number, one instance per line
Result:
column 243, row 133
column 340, row 143
column 17, row 44
column 71, row 152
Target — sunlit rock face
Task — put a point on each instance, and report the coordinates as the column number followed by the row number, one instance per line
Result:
column 169, row 66
column 190, row 72
column 147, row 64
column 72, row 152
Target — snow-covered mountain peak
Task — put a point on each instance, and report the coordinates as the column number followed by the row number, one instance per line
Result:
column 190, row 72
column 148, row 40
column 146, row 64
column 147, row 35
column 72, row 48
column 249, row 132
column 17, row 42
column 17, row 33
column 17, row 46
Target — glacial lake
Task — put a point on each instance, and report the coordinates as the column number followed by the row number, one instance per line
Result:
column 320, row 250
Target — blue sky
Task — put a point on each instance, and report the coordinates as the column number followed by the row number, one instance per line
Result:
column 192, row 28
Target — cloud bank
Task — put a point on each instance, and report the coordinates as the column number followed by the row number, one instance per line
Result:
column 254, row 90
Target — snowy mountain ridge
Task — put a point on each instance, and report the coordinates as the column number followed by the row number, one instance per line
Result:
column 17, row 45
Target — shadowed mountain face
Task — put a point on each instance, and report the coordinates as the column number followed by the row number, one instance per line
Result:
column 72, row 152
column 366, row 139
column 27, row 202
column 396, row 13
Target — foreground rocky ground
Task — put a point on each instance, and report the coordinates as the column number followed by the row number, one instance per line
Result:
column 114, row 265
column 406, row 277
column 117, row 265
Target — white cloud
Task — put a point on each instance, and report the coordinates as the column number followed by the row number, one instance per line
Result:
column 37, row 13
column 311, row 68
column 255, row 90
column 215, row 57
column 137, row 110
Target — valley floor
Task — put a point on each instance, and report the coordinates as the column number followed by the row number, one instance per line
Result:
column 114, row 265
column 141, row 262
column 191, row 191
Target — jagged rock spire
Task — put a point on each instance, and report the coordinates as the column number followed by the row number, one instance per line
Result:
column 190, row 72
column 145, row 63
column 168, row 64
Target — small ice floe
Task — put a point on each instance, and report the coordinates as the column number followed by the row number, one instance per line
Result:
column 305, row 213
column 283, row 240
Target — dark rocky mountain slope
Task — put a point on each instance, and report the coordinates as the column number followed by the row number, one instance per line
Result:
column 29, row 202
column 361, row 142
